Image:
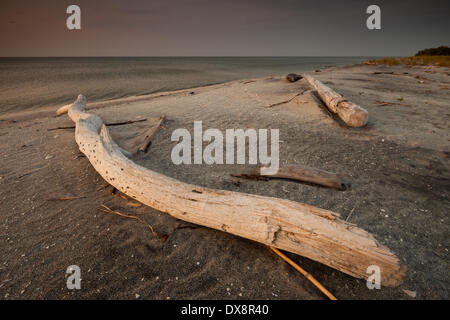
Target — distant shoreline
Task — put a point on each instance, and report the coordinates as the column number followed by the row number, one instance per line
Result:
column 41, row 82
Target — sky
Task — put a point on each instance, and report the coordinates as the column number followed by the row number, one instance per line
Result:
column 222, row 28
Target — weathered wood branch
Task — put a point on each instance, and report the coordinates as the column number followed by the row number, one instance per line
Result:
column 304, row 174
column 295, row 227
column 121, row 123
column 352, row 114
column 148, row 137
column 63, row 110
column 288, row 100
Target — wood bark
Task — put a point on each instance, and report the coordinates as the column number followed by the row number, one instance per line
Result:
column 352, row 114
column 295, row 227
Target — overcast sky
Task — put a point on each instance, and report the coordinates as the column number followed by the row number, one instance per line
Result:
column 221, row 28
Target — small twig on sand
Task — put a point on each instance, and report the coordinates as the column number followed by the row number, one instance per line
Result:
column 65, row 199
column 384, row 103
column 30, row 172
column 305, row 273
column 287, row 101
column 116, row 192
column 124, row 122
column 162, row 238
column 61, row 128
column 380, row 72
column 128, row 200
column 107, row 124
column 184, row 226
column 103, row 187
column 350, row 214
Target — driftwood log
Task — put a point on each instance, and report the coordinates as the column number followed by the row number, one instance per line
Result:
column 149, row 135
column 352, row 114
column 304, row 174
column 295, row 227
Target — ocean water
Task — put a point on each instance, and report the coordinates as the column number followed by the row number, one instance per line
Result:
column 31, row 83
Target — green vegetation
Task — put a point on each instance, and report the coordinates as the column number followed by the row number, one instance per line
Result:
column 428, row 57
column 441, row 51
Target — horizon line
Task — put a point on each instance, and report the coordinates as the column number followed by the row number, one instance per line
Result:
column 212, row 56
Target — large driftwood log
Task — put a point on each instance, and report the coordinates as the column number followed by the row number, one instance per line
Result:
column 352, row 114
column 299, row 228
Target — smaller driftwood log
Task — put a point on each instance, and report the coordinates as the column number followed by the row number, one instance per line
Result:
column 352, row 114
column 149, row 135
column 304, row 174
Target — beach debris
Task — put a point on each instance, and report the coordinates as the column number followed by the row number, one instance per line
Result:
column 48, row 157
column 350, row 214
column 106, row 209
column 63, row 110
column 61, row 128
column 130, row 202
column 106, row 185
column 66, row 198
column 148, row 136
column 299, row 228
column 25, row 288
column 410, row 293
column 352, row 114
column 303, row 174
column 31, row 172
column 134, row 204
column 293, row 77
column 288, row 100
column 305, row 273
column 383, row 72
column 385, row 103
column 121, row 123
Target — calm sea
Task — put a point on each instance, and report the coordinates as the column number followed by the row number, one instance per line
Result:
column 38, row 82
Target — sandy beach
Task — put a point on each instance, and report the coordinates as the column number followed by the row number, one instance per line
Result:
column 398, row 166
